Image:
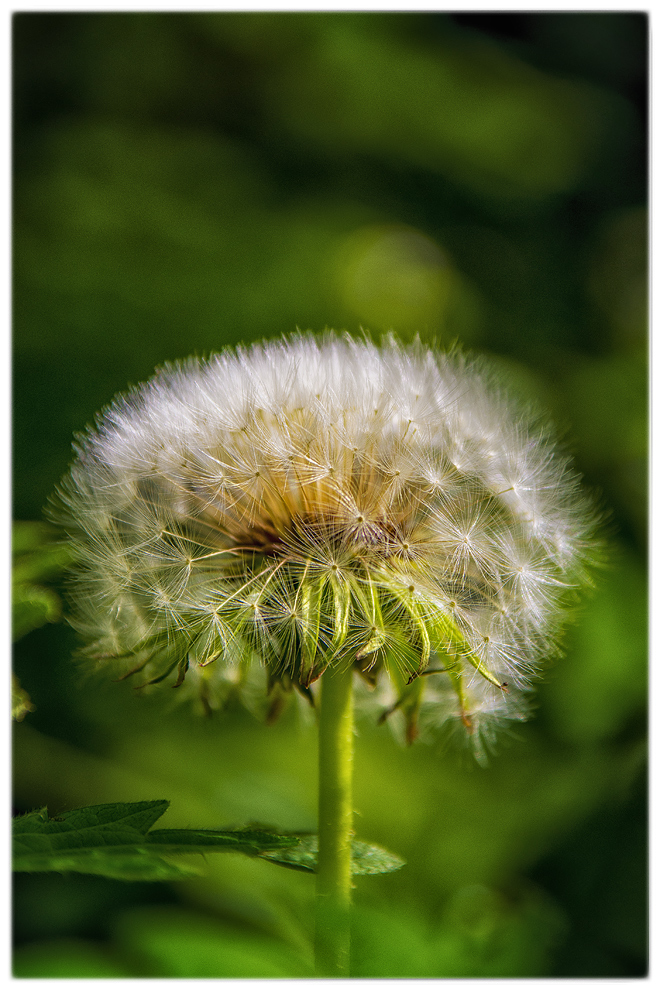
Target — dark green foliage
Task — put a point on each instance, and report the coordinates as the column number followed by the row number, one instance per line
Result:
column 117, row 841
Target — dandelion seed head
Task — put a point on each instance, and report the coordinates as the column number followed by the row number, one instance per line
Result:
column 305, row 503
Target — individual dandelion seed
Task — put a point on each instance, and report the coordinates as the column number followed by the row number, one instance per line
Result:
column 320, row 512
column 309, row 504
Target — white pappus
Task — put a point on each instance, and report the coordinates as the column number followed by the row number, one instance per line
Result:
column 308, row 502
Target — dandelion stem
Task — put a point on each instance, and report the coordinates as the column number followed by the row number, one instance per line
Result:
column 333, row 881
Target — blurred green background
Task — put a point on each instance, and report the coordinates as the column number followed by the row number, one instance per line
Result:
column 186, row 181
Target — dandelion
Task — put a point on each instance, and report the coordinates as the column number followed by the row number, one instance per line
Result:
column 304, row 505
column 323, row 509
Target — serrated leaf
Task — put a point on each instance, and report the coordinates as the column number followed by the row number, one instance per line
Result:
column 366, row 858
column 116, row 841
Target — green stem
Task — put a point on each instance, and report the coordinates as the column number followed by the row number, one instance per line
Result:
column 333, row 880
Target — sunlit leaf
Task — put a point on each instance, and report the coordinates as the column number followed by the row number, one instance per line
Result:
column 367, row 859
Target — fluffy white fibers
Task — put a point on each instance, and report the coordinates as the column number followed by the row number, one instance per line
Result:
column 304, row 503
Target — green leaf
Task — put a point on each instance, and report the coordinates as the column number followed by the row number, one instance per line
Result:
column 366, row 859
column 369, row 859
column 244, row 840
column 37, row 554
column 108, row 840
column 36, row 558
column 116, row 841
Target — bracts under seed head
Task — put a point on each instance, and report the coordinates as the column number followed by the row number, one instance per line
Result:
column 306, row 503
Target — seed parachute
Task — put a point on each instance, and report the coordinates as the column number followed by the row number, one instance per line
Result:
column 314, row 502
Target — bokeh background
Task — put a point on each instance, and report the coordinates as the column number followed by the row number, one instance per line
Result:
column 187, row 181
